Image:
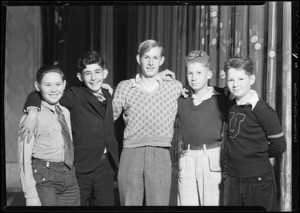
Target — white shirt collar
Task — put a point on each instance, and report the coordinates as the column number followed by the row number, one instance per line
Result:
column 137, row 80
column 198, row 100
column 51, row 107
column 252, row 101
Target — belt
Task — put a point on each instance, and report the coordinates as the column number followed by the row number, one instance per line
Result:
column 48, row 163
column 201, row 147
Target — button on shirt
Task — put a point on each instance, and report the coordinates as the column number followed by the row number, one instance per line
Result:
column 47, row 144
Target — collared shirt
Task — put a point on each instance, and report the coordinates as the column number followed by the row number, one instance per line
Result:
column 136, row 82
column 47, row 144
column 198, row 100
column 251, row 101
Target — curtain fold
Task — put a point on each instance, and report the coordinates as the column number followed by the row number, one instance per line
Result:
column 286, row 165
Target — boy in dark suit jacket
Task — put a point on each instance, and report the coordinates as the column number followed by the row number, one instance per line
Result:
column 95, row 146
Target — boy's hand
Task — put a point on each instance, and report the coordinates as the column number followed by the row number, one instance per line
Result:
column 108, row 87
column 185, row 92
column 167, row 75
column 29, row 124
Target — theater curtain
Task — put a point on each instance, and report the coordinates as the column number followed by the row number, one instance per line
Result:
column 261, row 32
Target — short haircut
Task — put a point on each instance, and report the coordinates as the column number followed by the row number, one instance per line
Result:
column 239, row 63
column 198, row 56
column 147, row 45
column 90, row 57
column 47, row 69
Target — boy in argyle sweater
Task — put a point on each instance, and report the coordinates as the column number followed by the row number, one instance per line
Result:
column 149, row 106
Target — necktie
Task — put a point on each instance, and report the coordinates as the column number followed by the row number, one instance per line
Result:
column 100, row 97
column 69, row 149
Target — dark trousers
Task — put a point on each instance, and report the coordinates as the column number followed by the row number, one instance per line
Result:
column 96, row 187
column 56, row 184
column 254, row 191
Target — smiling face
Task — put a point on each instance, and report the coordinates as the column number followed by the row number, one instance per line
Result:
column 197, row 76
column 93, row 76
column 51, row 87
column 239, row 83
column 150, row 62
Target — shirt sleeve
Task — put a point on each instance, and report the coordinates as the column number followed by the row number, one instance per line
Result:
column 179, row 87
column 24, row 157
column 118, row 102
column 271, row 126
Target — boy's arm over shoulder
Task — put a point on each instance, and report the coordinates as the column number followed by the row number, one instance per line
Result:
column 69, row 97
column 33, row 99
column 119, row 95
column 270, row 123
column 178, row 87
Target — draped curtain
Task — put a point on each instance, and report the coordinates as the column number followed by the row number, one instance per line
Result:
column 261, row 32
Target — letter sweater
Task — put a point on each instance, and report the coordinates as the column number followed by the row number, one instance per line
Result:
column 253, row 137
column 149, row 116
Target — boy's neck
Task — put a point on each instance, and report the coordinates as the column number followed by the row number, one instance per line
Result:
column 148, row 82
column 200, row 93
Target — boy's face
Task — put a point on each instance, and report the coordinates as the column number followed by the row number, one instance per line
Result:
column 197, row 75
column 52, row 87
column 150, row 62
column 93, row 76
column 239, row 83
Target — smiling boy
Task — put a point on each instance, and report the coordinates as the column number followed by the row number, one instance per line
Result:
column 95, row 146
column 254, row 136
column 149, row 105
column 47, row 160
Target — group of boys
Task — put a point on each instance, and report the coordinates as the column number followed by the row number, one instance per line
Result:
column 150, row 103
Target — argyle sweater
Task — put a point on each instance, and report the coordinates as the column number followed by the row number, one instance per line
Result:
column 148, row 116
column 253, row 137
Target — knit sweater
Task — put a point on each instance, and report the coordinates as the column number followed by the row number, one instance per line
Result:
column 254, row 135
column 148, row 116
column 202, row 124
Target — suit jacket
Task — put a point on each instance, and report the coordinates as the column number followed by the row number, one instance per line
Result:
column 92, row 129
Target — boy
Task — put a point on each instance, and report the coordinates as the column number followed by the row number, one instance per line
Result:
column 201, row 119
column 150, row 106
column 95, row 146
column 254, row 136
column 46, row 162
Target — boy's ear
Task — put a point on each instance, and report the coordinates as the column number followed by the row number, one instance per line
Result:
column 252, row 79
column 105, row 73
column 162, row 60
column 79, row 76
column 138, row 59
column 36, row 85
column 209, row 75
column 65, row 83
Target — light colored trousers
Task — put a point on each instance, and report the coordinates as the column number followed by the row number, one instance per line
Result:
column 145, row 173
column 199, row 178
